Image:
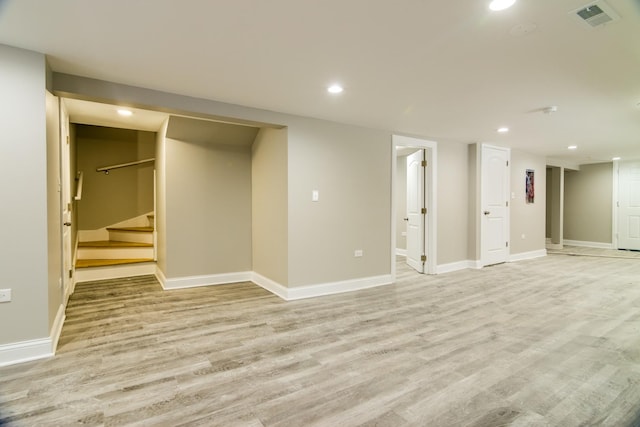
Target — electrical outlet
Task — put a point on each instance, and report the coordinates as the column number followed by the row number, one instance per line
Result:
column 358, row 253
column 5, row 295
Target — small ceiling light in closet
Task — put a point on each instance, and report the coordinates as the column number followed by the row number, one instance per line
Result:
column 125, row 113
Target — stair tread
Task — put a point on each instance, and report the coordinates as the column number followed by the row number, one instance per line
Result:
column 86, row 263
column 113, row 244
column 135, row 229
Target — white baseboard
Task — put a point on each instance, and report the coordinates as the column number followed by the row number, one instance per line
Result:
column 270, row 285
column 598, row 245
column 455, row 266
column 114, row 272
column 401, row 252
column 287, row 294
column 160, row 276
column 528, row 255
column 56, row 328
column 555, row 246
column 205, row 280
column 475, row 264
column 25, row 351
column 323, row 289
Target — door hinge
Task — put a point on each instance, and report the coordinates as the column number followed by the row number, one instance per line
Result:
column 507, row 203
column 424, row 211
column 424, row 163
column 67, row 139
column 506, row 244
column 507, row 162
column 423, row 258
column 70, row 274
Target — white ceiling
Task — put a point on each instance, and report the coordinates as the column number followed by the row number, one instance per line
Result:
column 447, row 70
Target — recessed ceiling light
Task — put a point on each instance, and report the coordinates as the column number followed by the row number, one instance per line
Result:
column 335, row 89
column 503, row 130
column 572, row 147
column 125, row 113
column 616, row 158
column 501, row 4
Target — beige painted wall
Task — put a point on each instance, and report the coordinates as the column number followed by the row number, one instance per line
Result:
column 401, row 202
column 54, row 217
column 351, row 169
column 269, row 184
column 161, row 198
column 208, row 208
column 23, row 184
column 527, row 219
column 123, row 193
column 453, row 196
column 588, row 203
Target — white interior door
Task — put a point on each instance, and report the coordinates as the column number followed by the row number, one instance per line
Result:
column 629, row 205
column 415, row 217
column 65, row 195
column 495, row 205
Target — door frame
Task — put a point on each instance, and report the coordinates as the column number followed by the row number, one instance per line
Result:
column 483, row 232
column 615, row 199
column 431, row 174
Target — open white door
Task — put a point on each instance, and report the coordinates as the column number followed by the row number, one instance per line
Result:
column 66, row 204
column 495, row 205
column 629, row 205
column 415, row 211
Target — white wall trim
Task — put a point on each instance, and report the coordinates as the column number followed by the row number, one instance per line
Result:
column 599, row 245
column 527, row 255
column 160, row 276
column 25, row 351
column 615, row 198
column 455, row 266
column 322, row 289
column 205, row 280
column 401, row 252
column 56, row 328
column 270, row 285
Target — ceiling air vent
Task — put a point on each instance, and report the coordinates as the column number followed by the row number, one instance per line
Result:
column 595, row 14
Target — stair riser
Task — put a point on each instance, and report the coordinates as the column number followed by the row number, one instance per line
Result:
column 114, row 253
column 131, row 236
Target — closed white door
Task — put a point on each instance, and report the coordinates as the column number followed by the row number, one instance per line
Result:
column 495, row 205
column 415, row 215
column 629, row 205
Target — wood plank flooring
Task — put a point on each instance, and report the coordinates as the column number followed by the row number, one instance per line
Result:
column 547, row 342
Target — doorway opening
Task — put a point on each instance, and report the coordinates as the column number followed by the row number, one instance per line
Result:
column 414, row 207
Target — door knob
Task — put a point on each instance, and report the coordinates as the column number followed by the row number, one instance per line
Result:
column 487, row 212
column 68, row 224
column 406, row 219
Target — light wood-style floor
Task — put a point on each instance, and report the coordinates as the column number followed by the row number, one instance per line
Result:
column 547, row 342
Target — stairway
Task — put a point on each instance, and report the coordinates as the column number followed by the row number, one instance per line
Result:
column 126, row 246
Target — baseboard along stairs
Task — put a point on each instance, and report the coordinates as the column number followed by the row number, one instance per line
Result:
column 126, row 246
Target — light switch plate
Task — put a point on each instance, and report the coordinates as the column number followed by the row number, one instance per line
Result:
column 5, row 295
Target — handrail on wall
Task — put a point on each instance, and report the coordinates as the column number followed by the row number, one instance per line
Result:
column 106, row 169
column 79, row 180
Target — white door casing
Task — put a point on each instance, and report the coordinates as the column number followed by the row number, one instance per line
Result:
column 628, row 205
column 494, row 234
column 415, row 219
column 65, row 202
column 431, row 197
